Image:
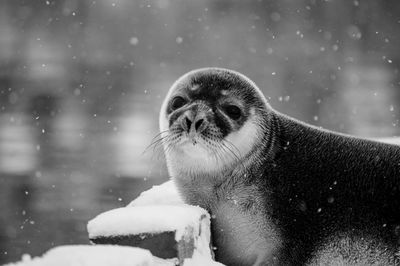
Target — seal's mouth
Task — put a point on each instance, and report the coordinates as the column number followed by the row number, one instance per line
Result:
column 191, row 138
column 182, row 138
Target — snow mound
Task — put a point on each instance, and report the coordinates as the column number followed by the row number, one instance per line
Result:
column 84, row 255
column 146, row 219
column 164, row 194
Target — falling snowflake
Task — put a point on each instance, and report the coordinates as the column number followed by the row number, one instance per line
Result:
column 179, row 40
column 134, row 41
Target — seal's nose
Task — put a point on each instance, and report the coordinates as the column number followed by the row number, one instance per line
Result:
column 198, row 124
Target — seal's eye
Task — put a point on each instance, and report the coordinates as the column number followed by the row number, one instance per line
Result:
column 233, row 112
column 178, row 102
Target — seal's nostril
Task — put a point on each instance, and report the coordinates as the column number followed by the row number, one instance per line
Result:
column 188, row 123
column 198, row 124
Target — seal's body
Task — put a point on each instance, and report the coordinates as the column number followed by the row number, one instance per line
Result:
column 280, row 192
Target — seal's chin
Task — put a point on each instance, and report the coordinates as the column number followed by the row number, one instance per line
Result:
column 191, row 139
column 193, row 145
column 196, row 152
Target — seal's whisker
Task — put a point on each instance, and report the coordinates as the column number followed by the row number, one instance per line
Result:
column 170, row 142
column 234, row 147
column 155, row 144
column 156, row 140
column 217, row 152
column 160, row 133
column 228, row 146
column 215, row 148
column 237, row 157
column 223, row 151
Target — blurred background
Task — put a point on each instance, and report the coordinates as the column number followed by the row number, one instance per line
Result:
column 81, row 83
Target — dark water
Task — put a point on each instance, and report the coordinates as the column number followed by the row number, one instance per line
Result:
column 49, row 190
column 40, row 213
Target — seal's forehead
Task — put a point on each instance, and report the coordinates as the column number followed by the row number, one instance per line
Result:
column 217, row 80
column 204, row 85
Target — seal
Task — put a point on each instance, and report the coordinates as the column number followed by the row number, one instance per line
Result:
column 280, row 192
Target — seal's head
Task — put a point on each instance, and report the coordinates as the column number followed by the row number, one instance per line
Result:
column 210, row 120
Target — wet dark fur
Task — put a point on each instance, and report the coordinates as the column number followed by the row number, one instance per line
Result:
column 311, row 184
column 320, row 183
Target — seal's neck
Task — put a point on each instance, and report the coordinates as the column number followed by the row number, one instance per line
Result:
column 208, row 189
column 205, row 189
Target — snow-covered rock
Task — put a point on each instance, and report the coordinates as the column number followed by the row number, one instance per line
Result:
column 85, row 255
column 147, row 219
column 168, row 231
column 160, row 221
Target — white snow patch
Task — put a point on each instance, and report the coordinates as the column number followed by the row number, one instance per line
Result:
column 390, row 140
column 99, row 255
column 146, row 219
column 164, row 194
